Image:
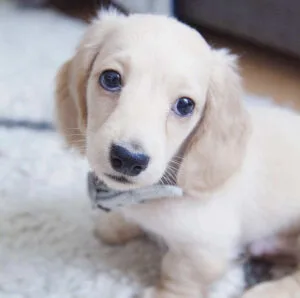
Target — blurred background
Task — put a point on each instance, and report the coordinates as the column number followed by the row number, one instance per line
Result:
column 265, row 34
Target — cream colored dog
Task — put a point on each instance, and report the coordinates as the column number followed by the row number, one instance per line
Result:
column 145, row 96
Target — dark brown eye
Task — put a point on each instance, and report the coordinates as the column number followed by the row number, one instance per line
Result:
column 183, row 106
column 110, row 80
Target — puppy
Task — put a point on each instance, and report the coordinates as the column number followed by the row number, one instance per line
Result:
column 145, row 97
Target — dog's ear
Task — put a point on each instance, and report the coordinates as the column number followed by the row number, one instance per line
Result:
column 71, row 80
column 68, row 110
column 216, row 147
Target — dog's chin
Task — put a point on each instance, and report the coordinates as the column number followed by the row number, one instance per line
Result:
column 119, row 182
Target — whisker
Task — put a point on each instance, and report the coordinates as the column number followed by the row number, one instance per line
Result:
column 168, row 180
column 172, row 167
column 81, row 146
column 179, row 162
column 68, row 128
column 170, row 177
column 74, row 135
column 74, row 131
column 78, row 145
column 175, row 161
column 177, row 158
column 162, row 180
column 173, row 171
column 79, row 141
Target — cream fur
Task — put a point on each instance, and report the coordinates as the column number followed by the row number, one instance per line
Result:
column 238, row 165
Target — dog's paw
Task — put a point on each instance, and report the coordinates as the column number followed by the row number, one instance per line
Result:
column 113, row 229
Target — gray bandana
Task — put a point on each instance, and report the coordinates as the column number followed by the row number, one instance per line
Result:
column 106, row 199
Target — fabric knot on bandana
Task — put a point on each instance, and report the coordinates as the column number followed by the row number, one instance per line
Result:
column 106, row 198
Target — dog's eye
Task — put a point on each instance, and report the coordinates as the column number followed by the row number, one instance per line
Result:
column 110, row 80
column 183, row 106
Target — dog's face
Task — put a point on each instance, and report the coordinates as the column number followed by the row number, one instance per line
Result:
column 140, row 86
column 145, row 93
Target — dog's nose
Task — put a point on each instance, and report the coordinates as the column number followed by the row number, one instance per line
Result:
column 127, row 162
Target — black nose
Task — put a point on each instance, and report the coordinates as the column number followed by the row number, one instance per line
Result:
column 127, row 162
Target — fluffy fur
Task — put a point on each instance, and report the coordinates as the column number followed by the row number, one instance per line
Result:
column 238, row 165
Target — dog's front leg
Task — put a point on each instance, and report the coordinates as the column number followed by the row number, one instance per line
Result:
column 200, row 247
column 188, row 273
column 114, row 229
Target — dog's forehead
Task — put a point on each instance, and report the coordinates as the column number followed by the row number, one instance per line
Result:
column 163, row 40
column 160, row 31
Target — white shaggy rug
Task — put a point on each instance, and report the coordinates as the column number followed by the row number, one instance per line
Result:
column 47, row 247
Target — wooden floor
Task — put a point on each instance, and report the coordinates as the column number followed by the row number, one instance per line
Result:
column 265, row 72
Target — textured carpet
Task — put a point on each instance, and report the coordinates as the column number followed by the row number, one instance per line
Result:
column 47, row 246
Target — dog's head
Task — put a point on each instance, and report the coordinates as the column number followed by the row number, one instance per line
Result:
column 142, row 88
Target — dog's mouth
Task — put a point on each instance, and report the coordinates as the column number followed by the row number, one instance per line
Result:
column 120, row 179
column 106, row 198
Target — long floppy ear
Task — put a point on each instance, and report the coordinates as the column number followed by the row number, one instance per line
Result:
column 217, row 145
column 71, row 80
column 68, row 112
